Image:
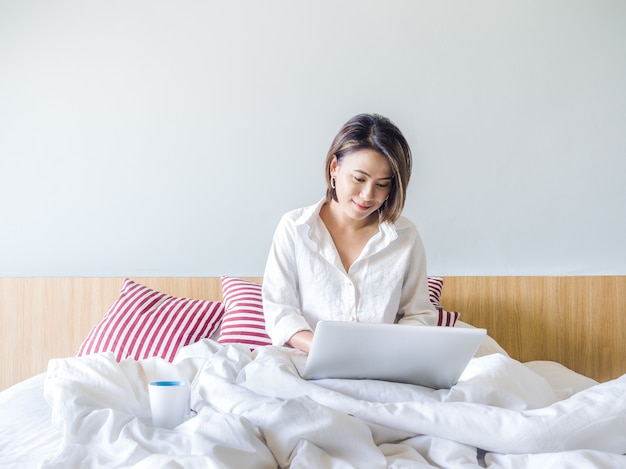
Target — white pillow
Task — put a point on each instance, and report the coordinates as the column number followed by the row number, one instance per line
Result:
column 488, row 345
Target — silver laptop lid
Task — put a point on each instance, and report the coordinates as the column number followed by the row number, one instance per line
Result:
column 429, row 356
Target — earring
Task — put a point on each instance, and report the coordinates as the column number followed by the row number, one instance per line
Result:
column 333, row 183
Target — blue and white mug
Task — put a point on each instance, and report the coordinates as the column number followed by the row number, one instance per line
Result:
column 169, row 402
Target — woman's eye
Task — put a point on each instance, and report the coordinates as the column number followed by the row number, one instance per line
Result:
column 383, row 186
column 358, row 179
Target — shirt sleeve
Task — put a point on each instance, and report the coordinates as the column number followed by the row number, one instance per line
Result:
column 281, row 294
column 415, row 305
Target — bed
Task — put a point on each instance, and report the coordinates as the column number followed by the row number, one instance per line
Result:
column 546, row 388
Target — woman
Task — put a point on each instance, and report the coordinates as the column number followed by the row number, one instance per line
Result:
column 351, row 256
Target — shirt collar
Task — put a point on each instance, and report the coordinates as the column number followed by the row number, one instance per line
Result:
column 310, row 213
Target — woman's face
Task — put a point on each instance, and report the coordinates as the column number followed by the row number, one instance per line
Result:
column 362, row 182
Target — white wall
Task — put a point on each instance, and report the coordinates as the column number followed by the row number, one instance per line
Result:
column 167, row 138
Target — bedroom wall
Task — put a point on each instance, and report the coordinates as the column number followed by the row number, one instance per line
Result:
column 154, row 138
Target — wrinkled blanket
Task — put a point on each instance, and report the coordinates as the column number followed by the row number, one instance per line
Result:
column 252, row 410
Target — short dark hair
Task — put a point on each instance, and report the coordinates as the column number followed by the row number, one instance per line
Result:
column 375, row 132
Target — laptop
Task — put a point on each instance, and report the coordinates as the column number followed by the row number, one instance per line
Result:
column 429, row 356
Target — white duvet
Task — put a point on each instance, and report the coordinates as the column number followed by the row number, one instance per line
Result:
column 254, row 411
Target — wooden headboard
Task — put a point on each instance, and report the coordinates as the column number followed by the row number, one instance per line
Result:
column 576, row 321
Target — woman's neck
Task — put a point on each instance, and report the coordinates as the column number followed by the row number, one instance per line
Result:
column 332, row 216
column 349, row 236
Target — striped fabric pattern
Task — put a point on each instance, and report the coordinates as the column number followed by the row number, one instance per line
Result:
column 435, row 287
column 145, row 323
column 244, row 322
column 446, row 318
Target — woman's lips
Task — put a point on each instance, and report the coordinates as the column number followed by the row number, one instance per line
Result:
column 363, row 208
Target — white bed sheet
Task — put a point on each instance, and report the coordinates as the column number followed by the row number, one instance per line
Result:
column 27, row 436
column 255, row 411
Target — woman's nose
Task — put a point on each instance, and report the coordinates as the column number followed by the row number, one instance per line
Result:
column 367, row 193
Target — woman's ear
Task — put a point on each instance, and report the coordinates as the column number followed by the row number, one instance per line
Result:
column 334, row 163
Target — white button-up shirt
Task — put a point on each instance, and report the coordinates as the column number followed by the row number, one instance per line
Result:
column 305, row 281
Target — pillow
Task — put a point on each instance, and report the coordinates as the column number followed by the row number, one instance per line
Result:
column 446, row 318
column 145, row 323
column 435, row 287
column 244, row 322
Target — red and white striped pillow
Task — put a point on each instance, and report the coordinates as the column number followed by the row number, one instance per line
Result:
column 244, row 322
column 446, row 318
column 435, row 287
column 145, row 323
